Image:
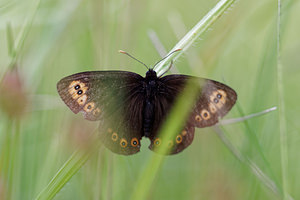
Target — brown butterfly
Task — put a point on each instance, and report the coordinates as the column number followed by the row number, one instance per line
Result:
column 130, row 106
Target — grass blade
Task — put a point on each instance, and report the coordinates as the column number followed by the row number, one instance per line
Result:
column 172, row 126
column 281, row 106
column 240, row 119
column 195, row 33
column 69, row 169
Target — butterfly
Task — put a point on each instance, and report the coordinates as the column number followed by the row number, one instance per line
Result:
column 130, row 106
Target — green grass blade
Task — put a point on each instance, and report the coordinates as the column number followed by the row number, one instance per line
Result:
column 281, row 103
column 172, row 126
column 195, row 33
column 10, row 41
column 240, row 119
column 68, row 170
column 267, row 181
column 19, row 43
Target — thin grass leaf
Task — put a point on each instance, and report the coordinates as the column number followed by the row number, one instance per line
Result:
column 240, row 119
column 252, row 136
column 172, row 126
column 281, row 105
column 69, row 169
column 157, row 43
column 195, row 33
column 257, row 171
column 19, row 43
column 10, row 40
column 267, row 74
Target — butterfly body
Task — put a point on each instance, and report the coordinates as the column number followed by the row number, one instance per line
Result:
column 130, row 106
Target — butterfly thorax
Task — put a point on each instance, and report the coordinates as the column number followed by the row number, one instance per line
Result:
column 150, row 84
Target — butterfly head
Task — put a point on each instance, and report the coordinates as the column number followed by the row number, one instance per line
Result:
column 151, row 74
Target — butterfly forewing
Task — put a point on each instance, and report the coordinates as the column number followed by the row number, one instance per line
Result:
column 214, row 102
column 97, row 92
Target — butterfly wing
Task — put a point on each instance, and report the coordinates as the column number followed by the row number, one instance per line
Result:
column 113, row 98
column 122, row 130
column 213, row 102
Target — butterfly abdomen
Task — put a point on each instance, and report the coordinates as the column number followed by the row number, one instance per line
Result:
column 148, row 118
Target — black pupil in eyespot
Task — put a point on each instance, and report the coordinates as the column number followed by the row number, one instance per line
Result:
column 134, row 142
column 205, row 114
column 79, row 92
column 123, row 143
column 178, row 138
column 77, row 87
column 219, row 96
column 89, row 107
column 216, row 100
column 114, row 136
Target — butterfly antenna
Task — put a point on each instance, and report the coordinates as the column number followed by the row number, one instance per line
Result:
column 124, row 52
column 166, row 57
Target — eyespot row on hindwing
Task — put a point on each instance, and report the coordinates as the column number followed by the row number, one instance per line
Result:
column 134, row 142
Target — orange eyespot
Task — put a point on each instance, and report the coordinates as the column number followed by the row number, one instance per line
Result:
column 218, row 98
column 134, row 142
column 81, row 100
column 89, row 107
column 212, row 108
column 76, row 89
column 76, row 85
column 96, row 112
column 205, row 114
column 157, row 142
column 183, row 133
column 178, row 139
column 198, row 118
column 221, row 94
column 123, row 143
column 114, row 137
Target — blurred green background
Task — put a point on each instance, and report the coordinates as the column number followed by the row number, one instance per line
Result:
column 38, row 133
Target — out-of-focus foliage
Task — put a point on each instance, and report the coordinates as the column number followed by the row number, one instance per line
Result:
column 66, row 37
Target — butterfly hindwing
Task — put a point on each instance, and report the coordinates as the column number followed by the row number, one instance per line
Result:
column 119, row 137
column 178, row 143
column 121, row 130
